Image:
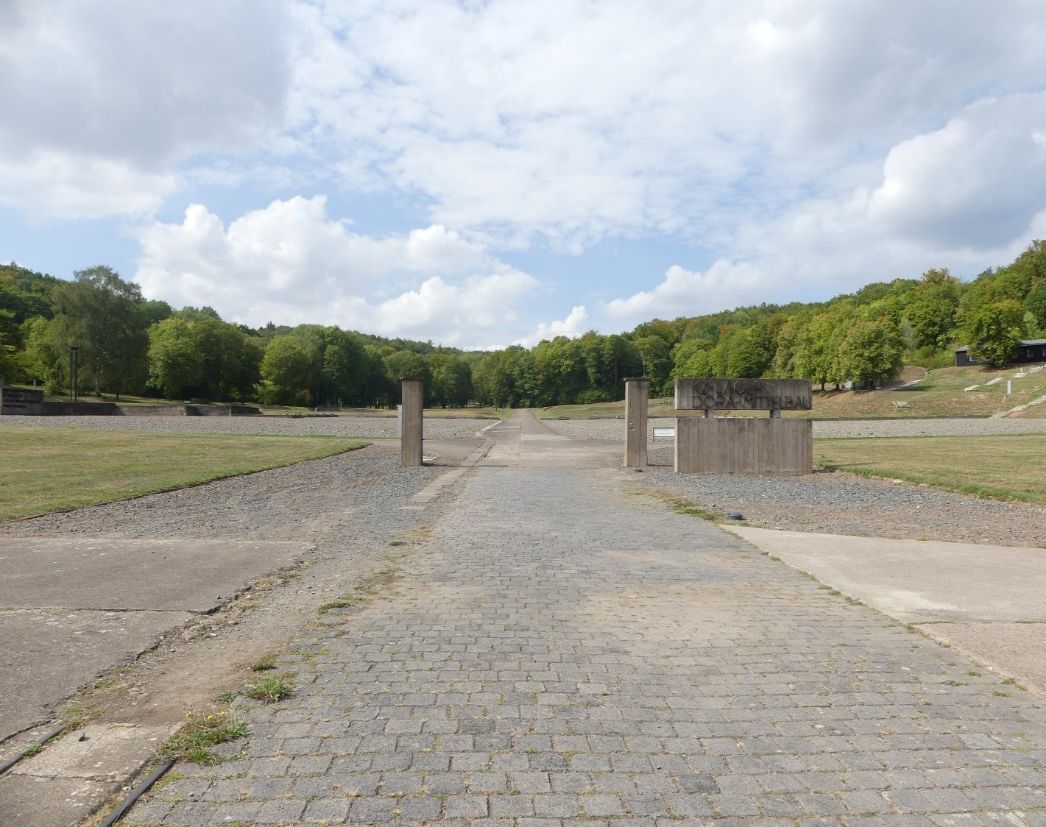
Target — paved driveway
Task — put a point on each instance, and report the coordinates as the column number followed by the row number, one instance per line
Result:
column 557, row 652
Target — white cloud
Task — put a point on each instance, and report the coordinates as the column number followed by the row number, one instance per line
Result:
column 977, row 182
column 804, row 146
column 291, row 263
column 476, row 313
column 46, row 183
column 572, row 326
column 684, row 292
column 575, row 121
column 104, row 99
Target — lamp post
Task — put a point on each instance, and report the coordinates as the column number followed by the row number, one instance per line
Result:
column 74, row 364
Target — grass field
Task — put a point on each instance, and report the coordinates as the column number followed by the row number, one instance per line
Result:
column 941, row 393
column 1004, row 467
column 45, row 469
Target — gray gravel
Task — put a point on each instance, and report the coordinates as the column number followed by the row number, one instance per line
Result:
column 363, row 426
column 840, row 503
column 615, row 428
column 335, row 502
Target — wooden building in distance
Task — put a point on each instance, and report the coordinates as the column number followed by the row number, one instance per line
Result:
column 1028, row 351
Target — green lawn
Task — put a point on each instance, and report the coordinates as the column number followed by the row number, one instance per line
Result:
column 1007, row 467
column 49, row 469
column 941, row 393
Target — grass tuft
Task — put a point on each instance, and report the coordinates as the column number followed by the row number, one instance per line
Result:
column 199, row 733
column 271, row 688
column 364, row 590
column 264, row 663
column 692, row 510
column 338, row 603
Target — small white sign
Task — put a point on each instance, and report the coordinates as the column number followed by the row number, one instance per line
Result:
column 664, row 433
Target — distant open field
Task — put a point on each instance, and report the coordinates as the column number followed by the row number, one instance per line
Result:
column 475, row 412
column 47, row 469
column 941, row 393
column 1007, row 467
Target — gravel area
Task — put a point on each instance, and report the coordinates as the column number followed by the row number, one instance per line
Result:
column 363, row 426
column 615, row 428
column 840, row 503
column 340, row 501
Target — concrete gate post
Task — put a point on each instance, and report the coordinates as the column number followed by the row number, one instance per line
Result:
column 637, row 393
column 413, row 394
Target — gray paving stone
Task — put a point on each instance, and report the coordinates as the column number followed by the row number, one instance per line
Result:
column 280, row 812
column 242, row 812
column 466, row 806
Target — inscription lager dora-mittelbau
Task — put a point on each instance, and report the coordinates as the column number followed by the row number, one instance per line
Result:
column 743, row 394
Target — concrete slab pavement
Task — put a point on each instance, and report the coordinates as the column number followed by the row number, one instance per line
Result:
column 72, row 607
column 69, row 779
column 985, row 600
column 158, row 575
column 46, row 655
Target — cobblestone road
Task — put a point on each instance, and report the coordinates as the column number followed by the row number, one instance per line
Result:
column 557, row 652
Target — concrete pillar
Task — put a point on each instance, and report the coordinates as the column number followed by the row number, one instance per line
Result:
column 637, row 393
column 412, row 431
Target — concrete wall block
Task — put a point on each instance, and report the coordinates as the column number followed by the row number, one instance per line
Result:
column 21, row 401
column 743, row 446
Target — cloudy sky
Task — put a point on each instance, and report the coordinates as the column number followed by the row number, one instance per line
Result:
column 481, row 173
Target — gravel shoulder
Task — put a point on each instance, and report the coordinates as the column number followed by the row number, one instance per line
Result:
column 841, row 503
column 356, row 426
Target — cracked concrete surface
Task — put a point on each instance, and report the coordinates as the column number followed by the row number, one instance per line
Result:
column 72, row 607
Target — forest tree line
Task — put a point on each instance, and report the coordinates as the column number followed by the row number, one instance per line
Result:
column 130, row 345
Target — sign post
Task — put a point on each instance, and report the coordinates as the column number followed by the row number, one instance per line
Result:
column 743, row 445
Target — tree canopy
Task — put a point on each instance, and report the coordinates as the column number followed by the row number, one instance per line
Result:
column 131, row 344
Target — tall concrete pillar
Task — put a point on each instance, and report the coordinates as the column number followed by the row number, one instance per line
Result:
column 413, row 392
column 637, row 393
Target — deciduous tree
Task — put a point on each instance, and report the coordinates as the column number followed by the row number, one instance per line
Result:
column 994, row 330
column 99, row 313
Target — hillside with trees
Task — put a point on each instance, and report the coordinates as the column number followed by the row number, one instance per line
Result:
column 130, row 345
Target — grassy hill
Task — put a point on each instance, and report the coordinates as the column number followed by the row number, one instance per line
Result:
column 942, row 393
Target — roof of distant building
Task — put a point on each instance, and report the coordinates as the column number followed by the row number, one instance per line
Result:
column 1021, row 343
